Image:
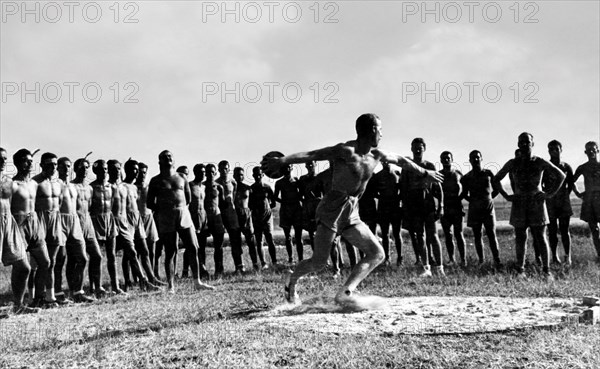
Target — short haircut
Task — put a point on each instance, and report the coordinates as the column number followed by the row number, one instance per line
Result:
column 97, row 164
column 365, row 123
column 210, row 166
column 473, row 153
column 2, row 149
column 526, row 134
column 199, row 166
column 113, row 162
column 554, row 143
column 20, row 155
column 238, row 169
column 444, row 153
column 223, row 163
column 163, row 153
column 182, row 169
column 256, row 170
column 129, row 164
column 142, row 165
column 418, row 141
column 63, row 160
column 48, row 155
column 79, row 162
column 590, row 144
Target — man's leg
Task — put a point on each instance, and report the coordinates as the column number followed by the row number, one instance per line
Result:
column 396, row 229
column 201, row 238
column 39, row 254
column 521, row 247
column 360, row 236
column 288, row 243
column 553, row 239
column 94, row 266
column 125, row 266
column 252, row 249
column 76, row 261
column 323, row 240
column 111, row 264
column 52, row 252
column 18, row 281
column 218, row 253
column 144, row 256
column 448, row 237
column 335, row 256
column 384, row 225
column 539, row 238
column 169, row 241
column 299, row 243
column 595, row 236
column 460, row 239
column 565, row 235
column 478, row 240
column 61, row 258
column 435, row 245
column 158, row 250
column 351, row 251
column 490, row 230
column 235, row 241
column 191, row 246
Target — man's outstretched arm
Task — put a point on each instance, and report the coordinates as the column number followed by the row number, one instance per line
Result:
column 326, row 153
column 408, row 164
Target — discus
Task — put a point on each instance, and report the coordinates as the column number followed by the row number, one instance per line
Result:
column 273, row 174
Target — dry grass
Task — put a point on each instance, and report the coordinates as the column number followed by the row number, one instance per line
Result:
column 206, row 329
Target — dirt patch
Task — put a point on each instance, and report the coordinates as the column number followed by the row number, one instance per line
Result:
column 423, row 315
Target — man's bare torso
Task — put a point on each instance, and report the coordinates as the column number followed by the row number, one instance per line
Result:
column 48, row 193
column 198, row 194
column 23, row 198
column 68, row 204
column 102, row 197
column 351, row 171
column 169, row 191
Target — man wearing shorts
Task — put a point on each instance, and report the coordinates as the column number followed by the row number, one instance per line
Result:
column 260, row 202
column 229, row 215
column 590, row 207
column 352, row 164
column 244, row 214
column 452, row 220
column 528, row 201
column 199, row 218
column 168, row 196
column 387, row 185
column 12, row 244
column 477, row 189
column 147, row 218
column 288, row 195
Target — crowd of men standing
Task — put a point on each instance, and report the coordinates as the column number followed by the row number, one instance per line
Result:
column 55, row 220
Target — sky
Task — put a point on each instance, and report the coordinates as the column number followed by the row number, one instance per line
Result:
column 234, row 80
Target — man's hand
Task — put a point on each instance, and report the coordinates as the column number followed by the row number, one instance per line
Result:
column 271, row 165
column 434, row 176
column 540, row 196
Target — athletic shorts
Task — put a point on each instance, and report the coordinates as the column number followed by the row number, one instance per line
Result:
column 590, row 207
column 389, row 213
column 104, row 226
column 71, row 227
column 150, row 227
column 263, row 220
column 172, row 220
column 50, row 223
column 87, row 227
column 559, row 206
column 290, row 215
column 245, row 219
column 12, row 242
column 527, row 212
column 137, row 225
column 230, row 218
column 31, row 230
column 309, row 212
column 481, row 212
column 419, row 208
column 368, row 212
column 452, row 218
column 338, row 211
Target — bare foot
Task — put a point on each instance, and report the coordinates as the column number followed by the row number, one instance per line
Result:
column 199, row 285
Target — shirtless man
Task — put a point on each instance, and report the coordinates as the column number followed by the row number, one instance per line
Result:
column 242, row 197
column 48, row 201
column 453, row 209
column 199, row 218
column 168, row 197
column 83, row 201
column 287, row 194
column 103, row 198
column 12, row 244
column 131, row 236
column 213, row 196
column 261, row 201
column 352, row 165
column 559, row 206
column 387, row 186
column 311, row 190
column 477, row 189
column 229, row 215
column 75, row 242
column 419, row 198
column 147, row 218
column 590, row 208
column 528, row 201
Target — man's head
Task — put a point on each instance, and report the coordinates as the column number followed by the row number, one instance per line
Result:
column 199, row 171
column 554, row 149
column 525, row 143
column 310, row 167
column 224, row 168
column 81, row 167
column 132, row 169
column 142, row 172
column 591, row 150
column 257, row 174
column 238, row 174
column 184, row 171
column 64, row 167
column 211, row 171
column 165, row 159
column 100, row 169
column 446, row 158
column 49, row 163
column 418, row 147
column 23, row 160
column 114, row 170
column 385, row 164
column 3, row 159
column 368, row 126
column 475, row 159
column 286, row 169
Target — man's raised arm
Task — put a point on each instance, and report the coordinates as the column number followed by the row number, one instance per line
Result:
column 408, row 164
column 326, row 153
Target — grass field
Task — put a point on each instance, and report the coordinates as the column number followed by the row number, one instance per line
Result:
column 207, row 329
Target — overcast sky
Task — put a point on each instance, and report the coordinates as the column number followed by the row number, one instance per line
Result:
column 168, row 70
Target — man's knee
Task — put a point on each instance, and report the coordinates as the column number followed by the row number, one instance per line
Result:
column 21, row 268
